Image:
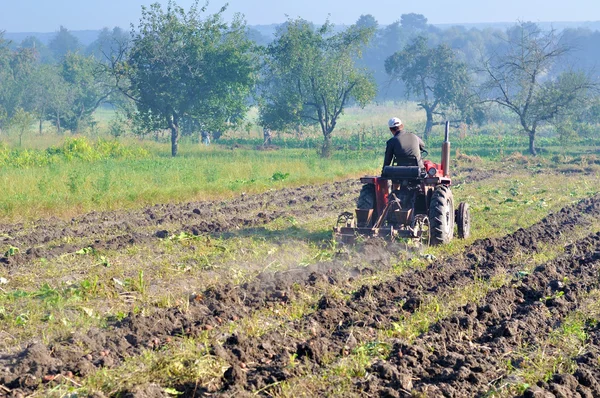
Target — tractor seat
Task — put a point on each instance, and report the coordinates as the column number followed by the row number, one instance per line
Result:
column 402, row 172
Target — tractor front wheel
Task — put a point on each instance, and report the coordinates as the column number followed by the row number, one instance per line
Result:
column 441, row 215
column 463, row 220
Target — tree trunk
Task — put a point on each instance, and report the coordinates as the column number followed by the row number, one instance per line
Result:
column 428, row 125
column 58, row 122
column 174, row 139
column 41, row 126
column 326, row 149
column 532, row 143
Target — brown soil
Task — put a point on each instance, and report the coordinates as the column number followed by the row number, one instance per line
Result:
column 459, row 356
column 442, row 362
column 119, row 229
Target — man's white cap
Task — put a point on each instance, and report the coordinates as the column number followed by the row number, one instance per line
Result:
column 394, row 122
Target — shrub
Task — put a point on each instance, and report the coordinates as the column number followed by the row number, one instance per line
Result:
column 72, row 149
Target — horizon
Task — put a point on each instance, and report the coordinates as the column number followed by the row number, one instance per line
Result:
column 450, row 24
column 43, row 16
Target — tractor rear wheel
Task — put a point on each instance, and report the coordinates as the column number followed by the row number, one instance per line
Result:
column 463, row 220
column 366, row 198
column 441, row 215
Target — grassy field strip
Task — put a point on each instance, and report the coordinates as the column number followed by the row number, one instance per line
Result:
column 555, row 353
column 59, row 301
column 183, row 360
column 342, row 371
column 79, row 187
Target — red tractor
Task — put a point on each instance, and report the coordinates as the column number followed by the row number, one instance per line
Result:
column 410, row 202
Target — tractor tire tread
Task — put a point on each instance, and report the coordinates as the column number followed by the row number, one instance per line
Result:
column 441, row 211
column 366, row 198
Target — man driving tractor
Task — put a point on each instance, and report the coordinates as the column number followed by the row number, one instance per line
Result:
column 403, row 148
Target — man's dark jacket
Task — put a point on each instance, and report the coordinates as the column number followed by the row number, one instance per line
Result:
column 404, row 149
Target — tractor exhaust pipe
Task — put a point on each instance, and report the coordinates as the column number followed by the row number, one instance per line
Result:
column 446, row 151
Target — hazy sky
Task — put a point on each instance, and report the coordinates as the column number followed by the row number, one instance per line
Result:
column 48, row 15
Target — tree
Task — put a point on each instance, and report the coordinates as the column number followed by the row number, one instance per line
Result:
column 108, row 44
column 184, row 66
column 517, row 79
column 87, row 86
column 310, row 77
column 5, row 78
column 63, row 43
column 41, row 51
column 16, row 67
column 434, row 77
column 413, row 21
column 367, row 21
column 21, row 122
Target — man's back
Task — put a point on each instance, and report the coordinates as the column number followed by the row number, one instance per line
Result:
column 405, row 148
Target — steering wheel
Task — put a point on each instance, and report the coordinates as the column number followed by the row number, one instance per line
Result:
column 424, row 153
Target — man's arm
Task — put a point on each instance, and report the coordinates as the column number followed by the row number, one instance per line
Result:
column 421, row 144
column 389, row 155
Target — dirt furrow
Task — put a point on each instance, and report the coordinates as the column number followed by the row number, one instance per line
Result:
column 584, row 383
column 465, row 354
column 266, row 358
column 336, row 325
column 117, row 230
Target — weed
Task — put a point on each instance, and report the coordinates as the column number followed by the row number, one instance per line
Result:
column 12, row 251
column 279, row 176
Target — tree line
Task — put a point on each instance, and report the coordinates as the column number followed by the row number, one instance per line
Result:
column 187, row 70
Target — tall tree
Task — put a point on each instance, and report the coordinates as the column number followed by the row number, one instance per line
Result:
column 367, row 21
column 41, row 51
column 518, row 80
column 108, row 44
column 413, row 21
column 182, row 65
column 5, row 78
column 435, row 77
column 16, row 67
column 63, row 43
column 311, row 77
column 88, row 88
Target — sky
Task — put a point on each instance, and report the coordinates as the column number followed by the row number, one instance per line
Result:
column 49, row 15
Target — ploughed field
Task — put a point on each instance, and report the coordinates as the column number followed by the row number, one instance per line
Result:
column 250, row 296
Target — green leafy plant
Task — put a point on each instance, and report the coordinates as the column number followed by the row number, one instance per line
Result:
column 12, row 251
column 279, row 176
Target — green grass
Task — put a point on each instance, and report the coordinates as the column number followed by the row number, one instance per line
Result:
column 78, row 186
column 58, row 175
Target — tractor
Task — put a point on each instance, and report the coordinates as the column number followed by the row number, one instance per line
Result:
column 409, row 202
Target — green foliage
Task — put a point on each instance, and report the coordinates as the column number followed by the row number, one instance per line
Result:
column 516, row 80
column 21, row 122
column 12, row 251
column 311, row 76
column 435, row 77
column 63, row 43
column 87, row 88
column 184, row 66
column 72, row 149
column 15, row 71
column 279, row 176
column 105, row 48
